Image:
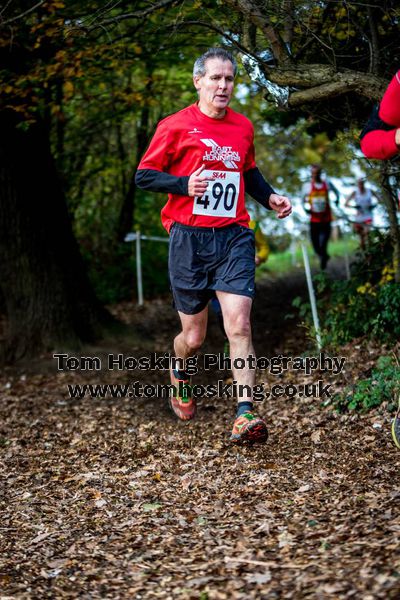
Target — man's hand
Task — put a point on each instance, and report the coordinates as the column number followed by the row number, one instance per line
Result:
column 281, row 205
column 197, row 184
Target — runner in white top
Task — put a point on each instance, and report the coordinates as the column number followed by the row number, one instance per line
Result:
column 362, row 221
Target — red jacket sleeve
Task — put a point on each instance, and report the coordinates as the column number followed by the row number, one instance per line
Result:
column 389, row 110
column 378, row 136
column 379, row 144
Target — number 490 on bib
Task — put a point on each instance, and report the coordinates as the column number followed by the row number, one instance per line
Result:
column 221, row 197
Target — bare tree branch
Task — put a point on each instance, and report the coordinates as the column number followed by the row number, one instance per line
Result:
column 249, row 35
column 254, row 14
column 327, row 11
column 217, row 29
column 140, row 14
column 364, row 84
column 287, row 9
column 374, row 66
column 317, row 81
column 101, row 11
column 20, row 16
column 5, row 6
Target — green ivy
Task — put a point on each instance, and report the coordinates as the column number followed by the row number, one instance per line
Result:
column 382, row 386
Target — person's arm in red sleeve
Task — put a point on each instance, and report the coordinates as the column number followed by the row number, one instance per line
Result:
column 379, row 144
column 152, row 170
column 389, row 110
column 380, row 137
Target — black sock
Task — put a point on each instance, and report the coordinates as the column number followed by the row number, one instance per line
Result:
column 243, row 407
column 180, row 374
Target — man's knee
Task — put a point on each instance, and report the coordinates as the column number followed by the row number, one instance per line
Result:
column 238, row 326
column 194, row 338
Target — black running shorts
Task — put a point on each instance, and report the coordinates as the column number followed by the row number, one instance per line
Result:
column 205, row 259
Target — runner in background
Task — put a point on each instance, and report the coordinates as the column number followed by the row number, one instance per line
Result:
column 317, row 204
column 361, row 200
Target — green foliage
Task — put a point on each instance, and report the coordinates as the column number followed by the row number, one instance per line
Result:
column 304, row 307
column 294, row 147
column 112, row 264
column 100, row 86
column 346, row 29
column 112, row 274
column 366, row 305
column 382, row 386
column 279, row 243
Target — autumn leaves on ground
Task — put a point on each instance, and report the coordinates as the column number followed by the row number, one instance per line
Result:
column 113, row 498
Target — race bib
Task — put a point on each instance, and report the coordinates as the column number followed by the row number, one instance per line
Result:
column 221, row 196
column 318, row 204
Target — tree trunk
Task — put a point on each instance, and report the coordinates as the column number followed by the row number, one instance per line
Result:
column 48, row 298
column 127, row 213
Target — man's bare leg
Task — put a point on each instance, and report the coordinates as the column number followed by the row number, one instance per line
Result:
column 247, row 428
column 191, row 338
column 236, row 313
column 186, row 344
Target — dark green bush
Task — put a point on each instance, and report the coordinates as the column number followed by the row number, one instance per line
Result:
column 366, row 305
column 382, row 386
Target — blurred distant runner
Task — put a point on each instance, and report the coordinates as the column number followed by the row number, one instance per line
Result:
column 203, row 156
column 361, row 200
column 316, row 199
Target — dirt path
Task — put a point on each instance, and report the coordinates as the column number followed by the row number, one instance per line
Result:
column 113, row 498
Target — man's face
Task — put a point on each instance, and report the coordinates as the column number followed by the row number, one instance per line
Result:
column 315, row 171
column 215, row 87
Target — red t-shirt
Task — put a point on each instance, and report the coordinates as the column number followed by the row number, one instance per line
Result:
column 188, row 139
column 319, row 202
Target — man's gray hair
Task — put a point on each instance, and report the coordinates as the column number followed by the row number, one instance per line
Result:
column 199, row 68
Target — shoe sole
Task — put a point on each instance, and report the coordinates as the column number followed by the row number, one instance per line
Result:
column 396, row 431
column 186, row 417
column 254, row 434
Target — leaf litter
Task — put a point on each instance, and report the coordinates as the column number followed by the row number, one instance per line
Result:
column 113, row 498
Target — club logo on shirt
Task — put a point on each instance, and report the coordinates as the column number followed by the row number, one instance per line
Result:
column 224, row 154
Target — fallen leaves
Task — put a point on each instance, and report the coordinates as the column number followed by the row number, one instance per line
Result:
column 117, row 499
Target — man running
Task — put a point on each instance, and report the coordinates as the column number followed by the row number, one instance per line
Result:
column 363, row 203
column 203, row 156
column 317, row 204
